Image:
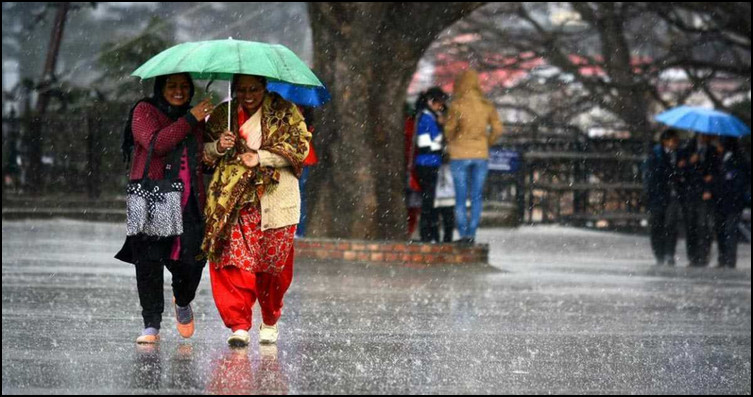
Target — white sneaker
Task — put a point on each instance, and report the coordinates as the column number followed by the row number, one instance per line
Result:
column 268, row 334
column 239, row 338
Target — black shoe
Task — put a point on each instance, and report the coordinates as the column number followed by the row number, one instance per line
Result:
column 670, row 262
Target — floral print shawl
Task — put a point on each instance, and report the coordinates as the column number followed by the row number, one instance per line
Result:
column 234, row 186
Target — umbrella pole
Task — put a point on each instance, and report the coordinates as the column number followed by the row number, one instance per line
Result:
column 228, row 105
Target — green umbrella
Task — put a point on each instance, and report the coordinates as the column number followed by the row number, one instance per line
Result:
column 221, row 59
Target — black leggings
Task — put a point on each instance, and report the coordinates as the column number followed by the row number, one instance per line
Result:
column 186, row 272
column 664, row 230
column 427, row 178
column 150, row 280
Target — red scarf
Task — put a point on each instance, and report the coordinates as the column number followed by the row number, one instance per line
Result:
column 242, row 118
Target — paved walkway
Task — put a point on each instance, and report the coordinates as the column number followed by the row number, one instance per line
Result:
column 560, row 310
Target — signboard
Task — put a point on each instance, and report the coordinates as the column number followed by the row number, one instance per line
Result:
column 502, row 160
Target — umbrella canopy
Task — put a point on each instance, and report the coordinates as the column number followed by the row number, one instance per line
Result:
column 704, row 121
column 221, row 59
column 301, row 95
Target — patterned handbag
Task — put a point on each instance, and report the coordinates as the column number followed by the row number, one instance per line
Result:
column 153, row 206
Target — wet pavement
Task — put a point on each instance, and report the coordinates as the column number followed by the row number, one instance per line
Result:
column 559, row 311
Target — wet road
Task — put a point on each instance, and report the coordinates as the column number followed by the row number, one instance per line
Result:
column 560, row 311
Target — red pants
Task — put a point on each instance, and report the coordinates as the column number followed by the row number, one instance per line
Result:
column 235, row 291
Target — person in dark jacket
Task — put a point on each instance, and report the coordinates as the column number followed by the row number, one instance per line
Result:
column 698, row 160
column 178, row 152
column 731, row 188
column 429, row 149
column 662, row 187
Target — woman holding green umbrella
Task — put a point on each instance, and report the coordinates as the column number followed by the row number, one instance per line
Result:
column 253, row 204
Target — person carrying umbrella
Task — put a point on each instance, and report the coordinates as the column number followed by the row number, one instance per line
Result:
column 257, row 144
column 697, row 167
column 722, row 183
column 253, row 204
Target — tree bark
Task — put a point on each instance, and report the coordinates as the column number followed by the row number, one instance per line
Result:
column 366, row 54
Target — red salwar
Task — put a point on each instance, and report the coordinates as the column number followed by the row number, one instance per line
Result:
column 254, row 265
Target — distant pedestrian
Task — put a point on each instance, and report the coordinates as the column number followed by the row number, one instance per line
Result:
column 697, row 162
column 311, row 161
column 731, row 189
column 472, row 127
column 412, row 188
column 429, row 150
column 662, row 184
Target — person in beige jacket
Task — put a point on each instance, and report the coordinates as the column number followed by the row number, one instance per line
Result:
column 472, row 126
column 253, row 204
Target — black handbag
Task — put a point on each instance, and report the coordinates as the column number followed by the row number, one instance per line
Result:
column 153, row 206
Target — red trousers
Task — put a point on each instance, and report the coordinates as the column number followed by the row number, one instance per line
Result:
column 235, row 291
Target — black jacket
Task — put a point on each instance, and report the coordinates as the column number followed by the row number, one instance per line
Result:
column 693, row 176
column 662, row 177
column 732, row 184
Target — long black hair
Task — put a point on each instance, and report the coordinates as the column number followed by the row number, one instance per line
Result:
column 157, row 100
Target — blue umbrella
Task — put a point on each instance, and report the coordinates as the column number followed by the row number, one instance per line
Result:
column 704, row 121
column 300, row 95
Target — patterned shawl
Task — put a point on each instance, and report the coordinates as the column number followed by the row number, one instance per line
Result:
column 234, row 186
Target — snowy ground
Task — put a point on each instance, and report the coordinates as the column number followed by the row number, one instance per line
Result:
column 559, row 311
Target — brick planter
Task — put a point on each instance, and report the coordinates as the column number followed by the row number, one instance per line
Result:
column 391, row 252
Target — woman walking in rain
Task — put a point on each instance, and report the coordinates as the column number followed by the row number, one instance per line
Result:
column 177, row 129
column 253, row 205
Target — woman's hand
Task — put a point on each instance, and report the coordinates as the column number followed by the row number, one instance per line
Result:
column 250, row 159
column 203, row 109
column 226, row 141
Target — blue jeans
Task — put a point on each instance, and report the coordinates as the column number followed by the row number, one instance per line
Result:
column 469, row 174
column 301, row 231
